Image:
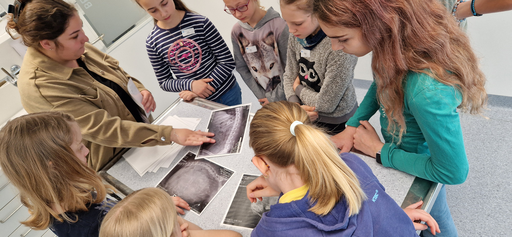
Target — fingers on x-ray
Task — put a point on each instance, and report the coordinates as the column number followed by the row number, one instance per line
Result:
column 229, row 126
column 242, row 212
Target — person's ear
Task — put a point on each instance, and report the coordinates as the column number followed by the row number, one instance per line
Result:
column 47, row 44
column 260, row 164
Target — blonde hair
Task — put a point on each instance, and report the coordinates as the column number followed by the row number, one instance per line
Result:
column 147, row 212
column 310, row 150
column 36, row 156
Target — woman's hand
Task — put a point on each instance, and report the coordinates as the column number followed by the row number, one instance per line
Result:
column 263, row 101
column 344, row 140
column 187, row 95
column 416, row 214
column 366, row 139
column 187, row 137
column 180, row 203
column 258, row 189
column 148, row 101
column 310, row 110
column 296, row 83
column 201, row 87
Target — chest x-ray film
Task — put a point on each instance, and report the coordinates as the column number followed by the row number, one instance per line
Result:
column 228, row 125
column 243, row 213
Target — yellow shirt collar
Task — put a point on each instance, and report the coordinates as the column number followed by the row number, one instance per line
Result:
column 294, row 195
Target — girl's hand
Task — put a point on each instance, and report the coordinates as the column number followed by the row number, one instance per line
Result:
column 184, row 230
column 344, row 140
column 201, row 87
column 366, row 139
column 148, row 101
column 258, row 189
column 263, row 101
column 187, row 95
column 310, row 110
column 416, row 214
column 180, row 203
column 187, row 137
column 296, row 83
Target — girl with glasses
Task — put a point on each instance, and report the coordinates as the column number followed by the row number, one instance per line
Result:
column 260, row 41
column 189, row 55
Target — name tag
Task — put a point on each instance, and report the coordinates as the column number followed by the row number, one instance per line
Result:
column 251, row 49
column 189, row 31
column 305, row 53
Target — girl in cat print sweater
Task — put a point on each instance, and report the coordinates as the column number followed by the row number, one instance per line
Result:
column 316, row 76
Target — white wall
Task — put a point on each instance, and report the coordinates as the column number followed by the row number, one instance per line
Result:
column 490, row 36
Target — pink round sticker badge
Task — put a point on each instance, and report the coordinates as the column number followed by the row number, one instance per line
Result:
column 185, row 54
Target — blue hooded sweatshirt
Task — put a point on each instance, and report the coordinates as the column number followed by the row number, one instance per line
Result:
column 379, row 215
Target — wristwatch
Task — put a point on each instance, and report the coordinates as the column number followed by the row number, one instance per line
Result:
column 377, row 158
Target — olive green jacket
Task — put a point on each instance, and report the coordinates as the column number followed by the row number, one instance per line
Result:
column 106, row 124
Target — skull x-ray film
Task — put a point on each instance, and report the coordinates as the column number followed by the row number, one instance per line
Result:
column 197, row 181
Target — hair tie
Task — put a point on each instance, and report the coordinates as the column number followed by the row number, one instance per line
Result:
column 16, row 10
column 292, row 127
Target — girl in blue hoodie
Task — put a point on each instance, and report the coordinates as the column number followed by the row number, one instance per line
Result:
column 319, row 193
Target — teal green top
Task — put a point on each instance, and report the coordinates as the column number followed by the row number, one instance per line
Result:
column 432, row 145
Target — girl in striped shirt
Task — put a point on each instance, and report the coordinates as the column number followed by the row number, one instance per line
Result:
column 188, row 54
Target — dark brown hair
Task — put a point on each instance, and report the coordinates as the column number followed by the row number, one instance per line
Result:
column 410, row 35
column 41, row 20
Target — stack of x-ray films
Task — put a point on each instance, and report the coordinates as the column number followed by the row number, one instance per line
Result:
column 150, row 159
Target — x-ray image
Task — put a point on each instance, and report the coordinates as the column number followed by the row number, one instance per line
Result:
column 242, row 212
column 228, row 125
column 195, row 181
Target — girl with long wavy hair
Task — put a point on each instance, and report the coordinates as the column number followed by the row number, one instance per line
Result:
column 425, row 73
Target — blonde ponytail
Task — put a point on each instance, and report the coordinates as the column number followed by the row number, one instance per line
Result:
column 310, row 150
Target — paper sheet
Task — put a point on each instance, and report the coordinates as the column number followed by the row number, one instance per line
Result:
column 136, row 95
column 150, row 159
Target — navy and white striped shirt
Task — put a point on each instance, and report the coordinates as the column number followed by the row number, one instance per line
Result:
column 196, row 51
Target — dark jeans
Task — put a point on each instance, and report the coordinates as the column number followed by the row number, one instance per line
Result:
column 231, row 97
column 331, row 129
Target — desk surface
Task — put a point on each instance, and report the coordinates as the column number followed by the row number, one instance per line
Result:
column 402, row 187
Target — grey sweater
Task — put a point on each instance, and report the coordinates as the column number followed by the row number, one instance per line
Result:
column 326, row 80
column 260, row 55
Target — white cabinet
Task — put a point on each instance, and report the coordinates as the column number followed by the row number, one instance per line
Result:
column 12, row 212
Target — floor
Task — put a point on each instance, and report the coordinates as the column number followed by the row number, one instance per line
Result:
column 479, row 206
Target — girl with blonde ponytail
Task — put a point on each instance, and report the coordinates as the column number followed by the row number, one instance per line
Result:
column 320, row 194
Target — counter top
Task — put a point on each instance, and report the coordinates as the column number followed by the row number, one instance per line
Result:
column 119, row 173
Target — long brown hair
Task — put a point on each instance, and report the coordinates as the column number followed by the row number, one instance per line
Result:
column 36, row 156
column 407, row 35
column 41, row 20
column 310, row 150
